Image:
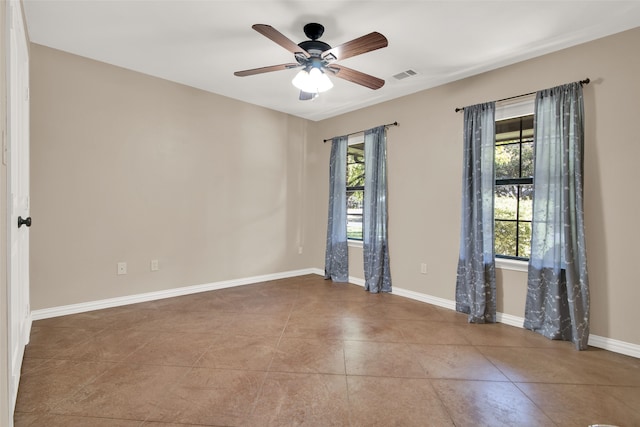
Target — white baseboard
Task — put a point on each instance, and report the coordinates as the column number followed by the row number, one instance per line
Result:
column 356, row 281
column 615, row 346
column 610, row 344
column 509, row 319
column 317, row 271
column 429, row 299
column 152, row 296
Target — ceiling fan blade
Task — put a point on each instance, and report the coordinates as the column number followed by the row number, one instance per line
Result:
column 261, row 70
column 356, row 76
column 274, row 35
column 364, row 44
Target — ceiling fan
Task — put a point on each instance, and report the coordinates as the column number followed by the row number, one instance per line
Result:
column 317, row 59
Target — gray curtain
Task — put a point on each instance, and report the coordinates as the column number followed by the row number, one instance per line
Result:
column 557, row 304
column 476, row 281
column 377, row 275
column 336, row 264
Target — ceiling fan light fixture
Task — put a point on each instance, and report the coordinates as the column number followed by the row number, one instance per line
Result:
column 312, row 81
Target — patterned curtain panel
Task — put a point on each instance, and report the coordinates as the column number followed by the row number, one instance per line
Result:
column 377, row 275
column 336, row 263
column 557, row 303
column 476, row 282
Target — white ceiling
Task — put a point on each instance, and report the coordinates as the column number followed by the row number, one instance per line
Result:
column 201, row 43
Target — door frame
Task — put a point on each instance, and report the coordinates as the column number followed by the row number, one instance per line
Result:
column 17, row 203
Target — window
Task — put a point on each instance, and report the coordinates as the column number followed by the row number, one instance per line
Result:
column 513, row 199
column 355, row 187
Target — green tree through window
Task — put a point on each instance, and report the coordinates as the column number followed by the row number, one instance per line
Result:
column 514, row 187
column 355, row 190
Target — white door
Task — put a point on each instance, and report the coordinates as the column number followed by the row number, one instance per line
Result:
column 19, row 316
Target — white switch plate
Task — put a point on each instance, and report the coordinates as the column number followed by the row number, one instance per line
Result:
column 423, row 268
column 122, row 268
column 154, row 265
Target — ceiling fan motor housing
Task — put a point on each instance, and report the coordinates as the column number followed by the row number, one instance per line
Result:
column 313, row 46
column 313, row 30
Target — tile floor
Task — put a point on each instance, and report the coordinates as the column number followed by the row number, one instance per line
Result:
column 305, row 351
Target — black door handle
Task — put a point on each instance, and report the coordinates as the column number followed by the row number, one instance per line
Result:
column 26, row 221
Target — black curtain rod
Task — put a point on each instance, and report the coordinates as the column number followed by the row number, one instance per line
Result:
column 353, row 133
column 582, row 82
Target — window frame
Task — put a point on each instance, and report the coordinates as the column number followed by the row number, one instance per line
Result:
column 354, row 140
column 509, row 109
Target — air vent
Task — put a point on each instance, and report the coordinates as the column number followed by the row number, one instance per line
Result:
column 405, row 74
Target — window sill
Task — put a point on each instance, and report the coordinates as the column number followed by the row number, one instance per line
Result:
column 354, row 243
column 512, row 264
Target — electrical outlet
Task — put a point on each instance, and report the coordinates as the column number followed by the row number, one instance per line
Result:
column 154, row 265
column 423, row 268
column 122, row 268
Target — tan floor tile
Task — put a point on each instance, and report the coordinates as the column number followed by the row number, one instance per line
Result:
column 581, row 405
column 110, row 345
column 372, row 329
column 54, row 420
column 161, row 424
column 565, row 366
column 302, row 399
column 282, row 287
column 179, row 303
column 126, row 391
column 630, row 396
column 214, row 303
column 486, row 403
column 182, row 321
column 171, row 348
column 328, row 290
column 47, row 342
column 49, row 382
column 316, row 327
column 257, row 324
column 29, row 363
column 309, row 356
column 324, row 307
column 455, row 362
column 404, row 309
column 258, row 304
column 97, row 319
column 499, row 334
column 433, row 332
column 239, row 352
column 621, row 369
column 131, row 316
column 211, row 397
column 452, row 316
column 384, row 402
column 381, row 359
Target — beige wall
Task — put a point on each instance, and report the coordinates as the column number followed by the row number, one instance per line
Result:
column 127, row 167
column 425, row 166
column 4, row 375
